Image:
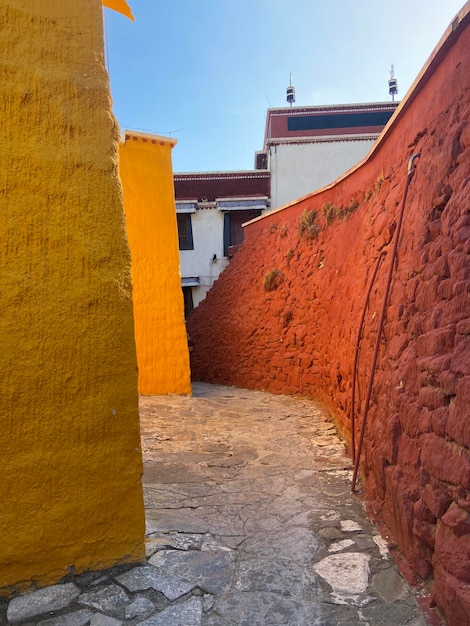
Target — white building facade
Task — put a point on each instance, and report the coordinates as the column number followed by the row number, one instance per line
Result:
column 306, row 148
column 211, row 208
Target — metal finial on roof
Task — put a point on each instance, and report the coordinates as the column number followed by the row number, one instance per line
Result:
column 392, row 84
column 290, row 91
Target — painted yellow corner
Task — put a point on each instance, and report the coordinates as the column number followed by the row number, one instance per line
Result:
column 149, row 202
column 120, row 6
column 70, row 488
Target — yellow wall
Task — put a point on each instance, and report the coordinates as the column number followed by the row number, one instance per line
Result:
column 149, row 201
column 70, row 488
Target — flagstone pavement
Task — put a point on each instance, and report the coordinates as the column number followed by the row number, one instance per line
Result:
column 250, row 522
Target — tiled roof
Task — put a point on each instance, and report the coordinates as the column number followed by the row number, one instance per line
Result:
column 208, row 186
column 318, row 121
column 134, row 135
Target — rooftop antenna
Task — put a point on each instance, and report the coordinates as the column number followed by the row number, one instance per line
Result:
column 392, row 84
column 290, row 91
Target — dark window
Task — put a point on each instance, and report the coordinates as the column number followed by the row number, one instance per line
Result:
column 261, row 161
column 185, row 231
column 338, row 120
column 233, row 231
column 188, row 300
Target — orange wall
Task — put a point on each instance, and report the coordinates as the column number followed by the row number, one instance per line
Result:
column 296, row 332
column 70, row 484
column 160, row 331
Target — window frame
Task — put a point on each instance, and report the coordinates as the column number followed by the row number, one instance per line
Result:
column 185, row 238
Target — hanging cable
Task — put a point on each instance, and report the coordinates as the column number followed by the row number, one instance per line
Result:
column 410, row 173
column 379, row 260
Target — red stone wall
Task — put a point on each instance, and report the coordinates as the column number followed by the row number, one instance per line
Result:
column 284, row 317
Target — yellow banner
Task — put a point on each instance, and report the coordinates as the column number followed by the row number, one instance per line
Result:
column 120, row 6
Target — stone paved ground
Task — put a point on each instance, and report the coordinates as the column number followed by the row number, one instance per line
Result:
column 250, row 522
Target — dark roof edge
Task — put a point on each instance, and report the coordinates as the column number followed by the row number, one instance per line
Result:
column 222, row 175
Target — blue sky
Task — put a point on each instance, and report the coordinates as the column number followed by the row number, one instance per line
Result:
column 206, row 71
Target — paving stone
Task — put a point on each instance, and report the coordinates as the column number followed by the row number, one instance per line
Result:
column 339, row 546
column 261, row 608
column 140, row 607
column 109, row 599
column 159, row 472
column 233, row 542
column 283, row 577
column 335, row 490
column 224, row 520
column 207, row 602
column 184, row 520
column 330, row 516
column 364, row 542
column 157, row 559
column 77, row 618
column 350, row 526
column 153, row 544
column 210, row 544
column 149, row 577
column 347, row 615
column 298, row 543
column 97, row 579
column 382, row 546
column 217, row 620
column 42, row 601
column 418, row 621
column 104, row 620
column 346, row 573
column 330, row 533
column 395, row 614
column 350, row 599
column 211, row 571
column 188, row 613
column 389, row 585
column 179, row 541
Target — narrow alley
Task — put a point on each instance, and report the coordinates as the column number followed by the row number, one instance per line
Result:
column 250, row 522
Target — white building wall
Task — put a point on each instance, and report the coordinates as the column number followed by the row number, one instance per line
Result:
column 298, row 168
column 208, row 239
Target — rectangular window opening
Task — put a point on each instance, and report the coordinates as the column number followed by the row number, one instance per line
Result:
column 185, row 231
